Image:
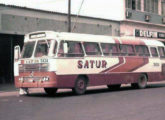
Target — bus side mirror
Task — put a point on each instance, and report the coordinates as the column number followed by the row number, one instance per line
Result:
column 16, row 52
column 65, row 46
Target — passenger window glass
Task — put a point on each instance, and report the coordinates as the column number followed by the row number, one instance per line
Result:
column 127, row 50
column 74, row 49
column 92, row 48
column 109, row 49
column 42, row 48
column 130, row 50
column 142, row 50
column 123, row 49
column 154, row 52
column 161, row 52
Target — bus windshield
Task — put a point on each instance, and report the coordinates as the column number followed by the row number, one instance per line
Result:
column 42, row 48
column 28, row 50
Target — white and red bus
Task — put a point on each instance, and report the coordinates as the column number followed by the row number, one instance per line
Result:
column 53, row 60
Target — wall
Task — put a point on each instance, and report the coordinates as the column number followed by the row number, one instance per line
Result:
column 21, row 21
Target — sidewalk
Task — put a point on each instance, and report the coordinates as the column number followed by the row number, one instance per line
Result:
column 7, row 87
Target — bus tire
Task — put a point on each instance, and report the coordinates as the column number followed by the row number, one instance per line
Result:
column 80, row 86
column 50, row 91
column 142, row 82
column 114, row 87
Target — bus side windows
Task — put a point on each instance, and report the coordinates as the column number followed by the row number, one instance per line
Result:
column 154, row 52
column 142, row 50
column 127, row 50
column 74, row 49
column 161, row 52
column 92, row 48
column 109, row 49
column 130, row 50
column 123, row 49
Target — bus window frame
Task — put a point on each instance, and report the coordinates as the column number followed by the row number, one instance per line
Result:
column 142, row 55
column 161, row 57
column 127, row 50
column 49, row 48
column 151, row 55
column 112, row 53
column 55, row 49
column 67, row 55
column 100, row 49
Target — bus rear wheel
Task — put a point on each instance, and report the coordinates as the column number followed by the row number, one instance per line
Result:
column 80, row 86
column 114, row 87
column 50, row 91
column 142, row 82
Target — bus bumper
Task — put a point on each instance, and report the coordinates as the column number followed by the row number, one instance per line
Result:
column 36, row 80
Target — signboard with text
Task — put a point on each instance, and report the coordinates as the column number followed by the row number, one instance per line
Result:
column 149, row 34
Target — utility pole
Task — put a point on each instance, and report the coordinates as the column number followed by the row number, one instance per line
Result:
column 69, row 16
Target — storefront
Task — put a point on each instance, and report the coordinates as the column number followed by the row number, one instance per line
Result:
column 143, row 30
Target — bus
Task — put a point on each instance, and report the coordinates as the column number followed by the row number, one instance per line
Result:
column 55, row 60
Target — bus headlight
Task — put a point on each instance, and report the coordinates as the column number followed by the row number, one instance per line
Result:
column 21, row 79
column 44, row 79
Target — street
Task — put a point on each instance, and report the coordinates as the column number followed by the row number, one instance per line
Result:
column 97, row 104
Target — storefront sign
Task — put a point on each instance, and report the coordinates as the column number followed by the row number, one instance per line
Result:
column 161, row 35
column 148, row 34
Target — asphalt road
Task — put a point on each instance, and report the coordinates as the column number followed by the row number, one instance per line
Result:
column 96, row 104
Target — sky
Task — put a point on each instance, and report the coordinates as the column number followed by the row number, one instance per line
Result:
column 106, row 9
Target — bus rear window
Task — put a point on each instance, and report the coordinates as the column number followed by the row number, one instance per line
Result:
column 92, row 48
column 28, row 49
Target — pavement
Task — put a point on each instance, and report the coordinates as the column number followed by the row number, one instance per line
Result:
column 97, row 104
column 11, row 90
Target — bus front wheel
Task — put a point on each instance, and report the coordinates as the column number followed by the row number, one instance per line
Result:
column 142, row 82
column 50, row 91
column 80, row 86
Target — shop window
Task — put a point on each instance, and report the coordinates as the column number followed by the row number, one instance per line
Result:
column 161, row 52
column 92, row 48
column 154, row 52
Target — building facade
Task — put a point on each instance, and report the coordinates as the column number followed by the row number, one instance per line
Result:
column 144, row 19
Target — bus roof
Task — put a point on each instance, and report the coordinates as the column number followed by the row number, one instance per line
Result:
column 89, row 38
